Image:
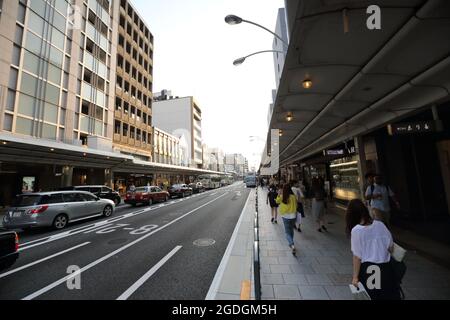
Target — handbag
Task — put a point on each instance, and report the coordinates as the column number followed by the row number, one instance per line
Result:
column 359, row 293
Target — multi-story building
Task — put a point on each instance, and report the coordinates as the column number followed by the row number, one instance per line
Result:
column 278, row 57
column 133, row 91
column 236, row 163
column 167, row 148
column 218, row 164
column 187, row 122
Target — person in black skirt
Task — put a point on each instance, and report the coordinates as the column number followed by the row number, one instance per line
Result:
column 372, row 245
column 271, row 199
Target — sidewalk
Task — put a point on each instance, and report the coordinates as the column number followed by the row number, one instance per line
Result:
column 322, row 268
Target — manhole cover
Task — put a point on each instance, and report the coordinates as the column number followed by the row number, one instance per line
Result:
column 204, row 242
column 117, row 241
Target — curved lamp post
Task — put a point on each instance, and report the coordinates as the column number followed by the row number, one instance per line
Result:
column 240, row 61
column 232, row 20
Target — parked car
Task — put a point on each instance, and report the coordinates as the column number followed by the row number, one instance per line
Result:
column 180, row 190
column 54, row 209
column 197, row 187
column 9, row 249
column 102, row 192
column 146, row 195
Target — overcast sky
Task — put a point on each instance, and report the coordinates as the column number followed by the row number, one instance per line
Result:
column 194, row 51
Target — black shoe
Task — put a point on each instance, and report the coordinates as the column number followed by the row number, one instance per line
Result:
column 276, row 221
column 320, row 230
column 299, row 230
column 272, row 220
column 324, row 228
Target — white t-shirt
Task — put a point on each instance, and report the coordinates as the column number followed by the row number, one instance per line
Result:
column 383, row 203
column 371, row 243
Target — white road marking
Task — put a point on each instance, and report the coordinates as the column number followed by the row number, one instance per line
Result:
column 214, row 288
column 42, row 260
column 146, row 276
column 115, row 252
column 69, row 233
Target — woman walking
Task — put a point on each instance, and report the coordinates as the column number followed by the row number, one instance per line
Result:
column 298, row 193
column 372, row 245
column 288, row 211
column 271, row 199
column 318, row 202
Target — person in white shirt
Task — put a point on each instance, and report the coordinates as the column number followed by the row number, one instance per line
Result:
column 378, row 196
column 371, row 245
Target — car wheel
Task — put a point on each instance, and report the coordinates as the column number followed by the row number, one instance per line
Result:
column 150, row 201
column 60, row 222
column 108, row 211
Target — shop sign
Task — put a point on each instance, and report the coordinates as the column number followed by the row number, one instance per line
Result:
column 411, row 127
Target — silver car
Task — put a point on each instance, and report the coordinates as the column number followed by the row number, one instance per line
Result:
column 54, row 209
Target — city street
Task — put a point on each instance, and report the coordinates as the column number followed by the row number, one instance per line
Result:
column 143, row 252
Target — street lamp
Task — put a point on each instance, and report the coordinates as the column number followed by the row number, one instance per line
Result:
column 232, row 19
column 240, row 61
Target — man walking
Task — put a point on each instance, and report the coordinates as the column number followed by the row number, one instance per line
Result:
column 379, row 196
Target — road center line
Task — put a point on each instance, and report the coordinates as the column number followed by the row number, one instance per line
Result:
column 115, row 252
column 41, row 260
column 146, row 276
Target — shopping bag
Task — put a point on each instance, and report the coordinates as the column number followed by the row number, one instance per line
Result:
column 398, row 253
column 359, row 293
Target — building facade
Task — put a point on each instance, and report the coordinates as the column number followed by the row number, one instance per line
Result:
column 187, row 123
column 134, row 80
column 280, row 58
column 167, row 148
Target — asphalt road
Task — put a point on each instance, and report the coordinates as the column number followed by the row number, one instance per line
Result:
column 147, row 252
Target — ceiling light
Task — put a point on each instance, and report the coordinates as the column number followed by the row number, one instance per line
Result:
column 280, row 133
column 289, row 117
column 84, row 154
column 4, row 143
column 307, row 84
column 52, row 149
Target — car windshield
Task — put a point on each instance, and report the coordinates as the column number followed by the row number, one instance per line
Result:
column 26, row 200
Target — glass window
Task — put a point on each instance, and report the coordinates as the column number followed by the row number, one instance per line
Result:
column 18, row 35
column 31, row 63
column 21, row 13
column 58, row 39
column 52, row 94
column 50, row 113
column 98, row 128
column 54, row 74
column 38, row 6
column 62, row 117
column 16, row 55
column 53, row 198
column 27, row 105
column 59, row 21
column 10, row 100
column 73, row 197
column 13, row 79
column 33, row 43
column 7, row 122
column 29, row 84
column 24, row 126
column 48, row 132
column 56, row 57
column 95, row 190
column 35, row 23
column 106, row 190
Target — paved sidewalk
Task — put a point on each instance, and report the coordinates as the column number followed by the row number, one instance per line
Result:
column 322, row 268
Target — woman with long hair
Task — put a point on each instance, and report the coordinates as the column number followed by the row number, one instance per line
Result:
column 288, row 211
column 271, row 199
column 371, row 245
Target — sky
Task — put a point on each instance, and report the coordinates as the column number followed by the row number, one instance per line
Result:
column 194, row 50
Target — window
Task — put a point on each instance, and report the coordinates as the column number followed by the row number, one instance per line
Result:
column 117, row 126
column 24, row 126
column 13, row 79
column 118, row 104
column 125, row 130
column 73, row 197
column 49, row 132
column 16, row 55
column 132, row 133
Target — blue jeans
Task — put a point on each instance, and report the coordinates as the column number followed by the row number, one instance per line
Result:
column 289, row 226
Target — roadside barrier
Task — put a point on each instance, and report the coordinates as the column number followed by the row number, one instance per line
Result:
column 256, row 261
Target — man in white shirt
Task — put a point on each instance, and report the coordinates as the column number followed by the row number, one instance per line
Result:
column 378, row 196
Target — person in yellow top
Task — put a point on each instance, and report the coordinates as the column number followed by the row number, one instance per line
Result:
column 288, row 211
